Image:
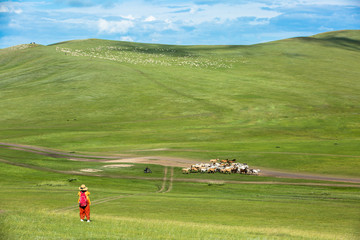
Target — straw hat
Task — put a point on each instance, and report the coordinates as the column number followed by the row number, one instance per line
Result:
column 83, row 188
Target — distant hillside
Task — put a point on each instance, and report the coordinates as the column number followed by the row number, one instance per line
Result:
column 295, row 95
column 346, row 34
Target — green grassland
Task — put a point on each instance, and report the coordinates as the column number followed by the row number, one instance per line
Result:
column 40, row 204
column 63, row 165
column 297, row 95
column 289, row 105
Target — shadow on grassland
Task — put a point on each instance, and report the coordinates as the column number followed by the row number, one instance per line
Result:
column 346, row 43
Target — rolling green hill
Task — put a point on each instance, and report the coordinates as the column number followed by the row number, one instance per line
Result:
column 291, row 104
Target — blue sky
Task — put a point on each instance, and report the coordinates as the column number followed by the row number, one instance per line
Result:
column 210, row 22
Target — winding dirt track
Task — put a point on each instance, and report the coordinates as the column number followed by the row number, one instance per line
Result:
column 167, row 182
column 160, row 160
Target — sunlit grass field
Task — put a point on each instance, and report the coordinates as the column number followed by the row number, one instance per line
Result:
column 42, row 205
column 289, row 105
column 298, row 95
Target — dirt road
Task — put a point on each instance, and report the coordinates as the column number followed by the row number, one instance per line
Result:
column 159, row 160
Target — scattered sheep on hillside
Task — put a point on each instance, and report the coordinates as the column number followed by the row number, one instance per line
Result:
column 22, row 46
column 145, row 56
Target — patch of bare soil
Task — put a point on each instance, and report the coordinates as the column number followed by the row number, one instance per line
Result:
column 117, row 165
column 90, row 170
column 153, row 150
column 158, row 160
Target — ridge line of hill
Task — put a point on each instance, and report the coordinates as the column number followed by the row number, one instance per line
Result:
column 325, row 36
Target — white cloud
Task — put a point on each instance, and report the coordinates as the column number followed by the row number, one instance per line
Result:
column 194, row 10
column 259, row 22
column 18, row 11
column 169, row 25
column 330, row 2
column 127, row 39
column 297, row 3
column 114, row 26
column 186, row 11
column 80, row 21
column 325, row 29
column 10, row 9
column 189, row 22
column 129, row 17
column 150, row 19
column 223, row 12
column 4, row 9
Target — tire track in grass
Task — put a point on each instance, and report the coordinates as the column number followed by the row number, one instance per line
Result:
column 171, row 181
column 164, row 181
column 108, row 199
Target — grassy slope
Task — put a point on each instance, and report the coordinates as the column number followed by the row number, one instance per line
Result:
column 293, row 94
column 245, row 102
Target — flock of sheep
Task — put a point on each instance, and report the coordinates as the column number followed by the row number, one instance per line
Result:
column 146, row 56
column 222, row 166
